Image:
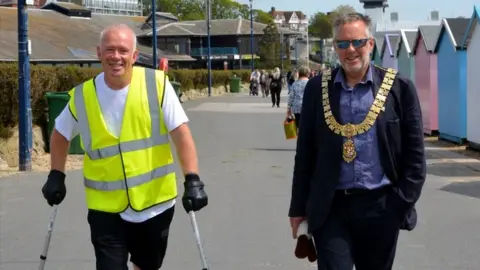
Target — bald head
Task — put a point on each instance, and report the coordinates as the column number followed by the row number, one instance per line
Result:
column 117, row 52
column 119, row 29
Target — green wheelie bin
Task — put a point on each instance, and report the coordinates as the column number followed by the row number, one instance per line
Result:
column 56, row 102
column 235, row 85
column 176, row 86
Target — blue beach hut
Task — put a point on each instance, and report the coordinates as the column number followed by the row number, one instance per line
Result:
column 405, row 57
column 452, row 83
column 471, row 43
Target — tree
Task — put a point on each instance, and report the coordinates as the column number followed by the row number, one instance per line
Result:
column 262, row 16
column 269, row 47
column 226, row 9
column 184, row 9
column 320, row 26
column 344, row 9
column 187, row 10
column 341, row 9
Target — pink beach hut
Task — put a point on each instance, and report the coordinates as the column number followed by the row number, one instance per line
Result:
column 426, row 79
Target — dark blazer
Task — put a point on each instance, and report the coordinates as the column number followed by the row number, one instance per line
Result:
column 319, row 155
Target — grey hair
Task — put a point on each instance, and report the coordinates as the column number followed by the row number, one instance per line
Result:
column 276, row 73
column 342, row 19
column 119, row 26
column 303, row 71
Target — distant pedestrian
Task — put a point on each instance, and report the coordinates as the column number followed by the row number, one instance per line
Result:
column 295, row 97
column 293, row 77
column 276, row 86
column 264, row 83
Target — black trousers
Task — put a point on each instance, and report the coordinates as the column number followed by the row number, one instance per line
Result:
column 275, row 92
column 114, row 238
column 361, row 230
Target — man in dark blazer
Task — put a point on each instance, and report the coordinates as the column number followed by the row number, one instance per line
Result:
column 360, row 162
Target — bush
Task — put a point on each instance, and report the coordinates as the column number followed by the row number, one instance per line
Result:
column 57, row 79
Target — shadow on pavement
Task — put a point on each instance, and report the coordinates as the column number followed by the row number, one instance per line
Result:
column 452, row 169
column 471, row 189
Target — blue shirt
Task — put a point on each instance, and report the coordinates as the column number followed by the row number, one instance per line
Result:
column 365, row 171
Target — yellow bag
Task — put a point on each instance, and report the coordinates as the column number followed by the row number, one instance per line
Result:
column 290, row 128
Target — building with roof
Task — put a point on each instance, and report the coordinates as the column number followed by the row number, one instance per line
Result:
column 230, row 40
column 383, row 24
column 426, row 79
column 65, row 33
column 452, row 79
column 293, row 20
column 379, row 40
column 471, row 42
column 68, row 33
column 117, row 7
column 29, row 3
column 376, row 51
column 405, row 58
column 389, row 49
column 375, row 9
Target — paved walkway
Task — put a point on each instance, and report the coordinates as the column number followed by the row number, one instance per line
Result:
column 247, row 166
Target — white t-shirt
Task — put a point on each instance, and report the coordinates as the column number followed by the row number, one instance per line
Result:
column 112, row 103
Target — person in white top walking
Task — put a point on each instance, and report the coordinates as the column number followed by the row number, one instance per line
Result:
column 138, row 112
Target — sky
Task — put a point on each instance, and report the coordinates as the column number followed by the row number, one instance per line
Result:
column 408, row 10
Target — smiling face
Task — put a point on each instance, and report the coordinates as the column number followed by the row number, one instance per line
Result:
column 117, row 54
column 353, row 45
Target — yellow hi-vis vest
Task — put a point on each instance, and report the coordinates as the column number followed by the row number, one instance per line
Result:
column 137, row 168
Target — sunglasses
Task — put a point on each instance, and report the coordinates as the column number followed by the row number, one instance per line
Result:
column 356, row 43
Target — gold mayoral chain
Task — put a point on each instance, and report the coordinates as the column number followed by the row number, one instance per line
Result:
column 349, row 130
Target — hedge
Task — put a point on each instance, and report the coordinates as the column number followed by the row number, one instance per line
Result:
column 56, row 79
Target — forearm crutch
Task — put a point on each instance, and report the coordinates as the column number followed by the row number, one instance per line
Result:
column 197, row 239
column 46, row 245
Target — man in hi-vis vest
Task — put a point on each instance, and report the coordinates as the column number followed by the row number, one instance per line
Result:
column 124, row 117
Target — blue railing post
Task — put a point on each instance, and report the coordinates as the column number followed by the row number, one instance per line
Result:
column 25, row 112
column 154, row 34
column 251, row 35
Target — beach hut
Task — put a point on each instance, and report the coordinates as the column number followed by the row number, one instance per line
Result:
column 377, row 60
column 389, row 48
column 426, row 79
column 452, row 83
column 471, row 43
column 405, row 59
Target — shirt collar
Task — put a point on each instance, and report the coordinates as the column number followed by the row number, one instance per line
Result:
column 340, row 77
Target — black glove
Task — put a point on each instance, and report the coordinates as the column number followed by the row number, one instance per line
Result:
column 54, row 190
column 194, row 196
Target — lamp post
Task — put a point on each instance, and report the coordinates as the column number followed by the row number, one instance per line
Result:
column 251, row 34
column 154, row 33
column 25, row 111
column 308, row 51
column 281, row 47
column 296, row 52
column 209, row 49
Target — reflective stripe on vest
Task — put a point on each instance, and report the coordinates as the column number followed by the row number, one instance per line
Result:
column 111, row 151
